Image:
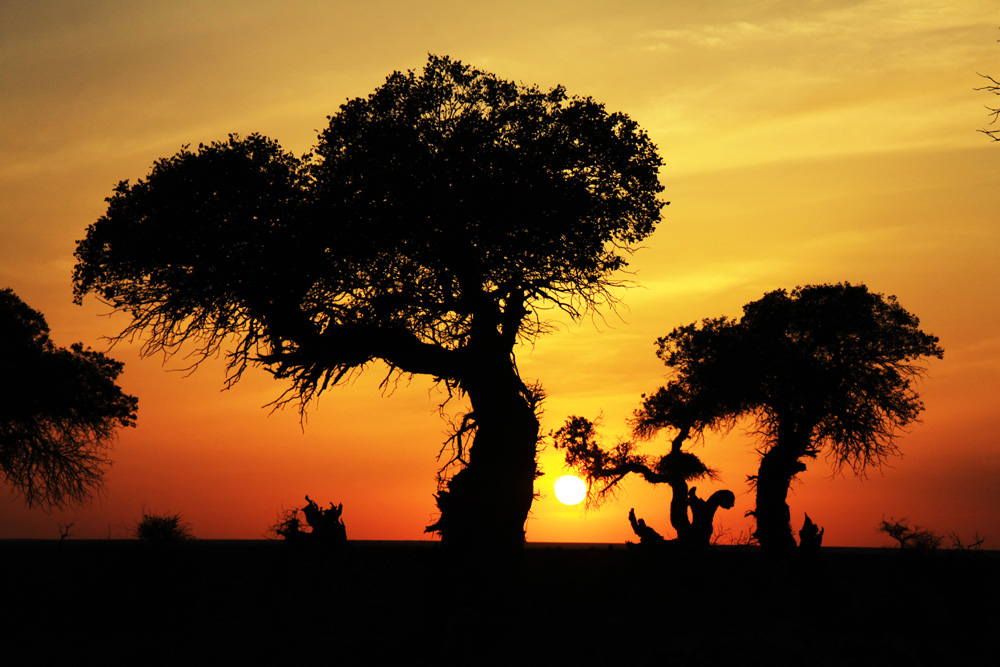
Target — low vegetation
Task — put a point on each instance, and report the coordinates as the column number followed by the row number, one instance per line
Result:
column 162, row 528
column 912, row 536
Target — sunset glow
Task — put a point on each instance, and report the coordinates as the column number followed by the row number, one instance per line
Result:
column 803, row 143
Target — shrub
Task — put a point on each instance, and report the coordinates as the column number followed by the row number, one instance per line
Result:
column 976, row 544
column 162, row 528
column 910, row 537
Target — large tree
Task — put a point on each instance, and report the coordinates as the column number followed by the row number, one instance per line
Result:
column 59, row 410
column 823, row 368
column 431, row 228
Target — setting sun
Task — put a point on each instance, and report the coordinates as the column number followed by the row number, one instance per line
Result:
column 570, row 490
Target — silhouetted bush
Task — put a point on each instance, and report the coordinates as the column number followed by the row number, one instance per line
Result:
column 975, row 545
column 910, row 537
column 162, row 528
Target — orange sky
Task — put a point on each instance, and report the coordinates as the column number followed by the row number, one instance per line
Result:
column 802, row 142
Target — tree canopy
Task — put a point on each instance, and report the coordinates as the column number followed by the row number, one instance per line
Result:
column 833, row 361
column 435, row 222
column 59, row 410
column 822, row 368
column 447, row 201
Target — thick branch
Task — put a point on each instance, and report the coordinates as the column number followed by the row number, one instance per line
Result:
column 619, row 471
column 320, row 360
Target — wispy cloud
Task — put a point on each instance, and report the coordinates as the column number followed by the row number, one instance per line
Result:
column 730, row 34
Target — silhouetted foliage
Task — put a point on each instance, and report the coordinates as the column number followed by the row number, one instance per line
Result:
column 910, row 536
column 691, row 516
column 161, row 529
column 993, row 87
column 64, row 529
column 325, row 526
column 825, row 367
column 994, row 112
column 436, row 222
column 59, row 410
column 975, row 544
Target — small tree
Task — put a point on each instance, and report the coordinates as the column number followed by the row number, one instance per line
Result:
column 910, row 536
column 691, row 516
column 59, row 410
column 975, row 544
column 825, row 367
column 437, row 221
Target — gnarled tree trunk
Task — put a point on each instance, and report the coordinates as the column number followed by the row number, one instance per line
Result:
column 774, row 530
column 679, row 508
column 485, row 505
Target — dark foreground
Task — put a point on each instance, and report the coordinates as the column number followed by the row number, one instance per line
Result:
column 248, row 602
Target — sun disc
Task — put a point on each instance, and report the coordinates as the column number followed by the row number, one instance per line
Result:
column 570, row 490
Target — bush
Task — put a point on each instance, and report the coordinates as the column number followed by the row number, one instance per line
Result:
column 976, row 544
column 910, row 537
column 162, row 528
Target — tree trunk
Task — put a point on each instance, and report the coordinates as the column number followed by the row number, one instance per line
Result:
column 679, row 509
column 774, row 530
column 486, row 504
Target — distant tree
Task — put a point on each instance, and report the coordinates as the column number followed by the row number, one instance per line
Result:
column 912, row 536
column 64, row 529
column 975, row 544
column 909, row 536
column 59, row 410
column 825, row 367
column 435, row 223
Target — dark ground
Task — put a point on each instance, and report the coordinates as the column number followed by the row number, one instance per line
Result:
column 253, row 602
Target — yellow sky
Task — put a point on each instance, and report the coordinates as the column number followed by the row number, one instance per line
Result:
column 803, row 142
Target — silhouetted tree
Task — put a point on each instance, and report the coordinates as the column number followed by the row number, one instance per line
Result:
column 825, row 367
column 910, row 536
column 59, row 410
column 605, row 468
column 702, row 397
column 975, row 544
column 435, row 223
